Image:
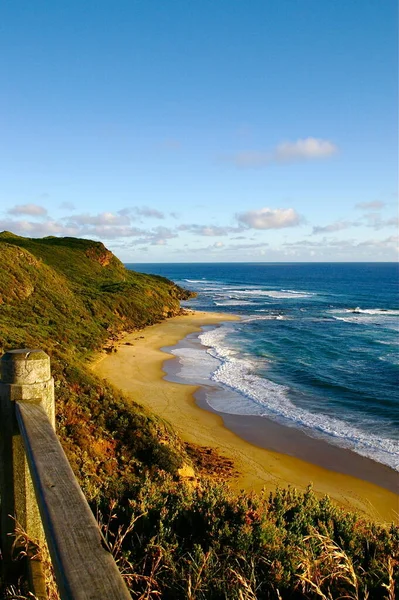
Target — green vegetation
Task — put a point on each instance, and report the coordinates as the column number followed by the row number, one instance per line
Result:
column 70, row 297
column 172, row 540
column 74, row 294
column 207, row 542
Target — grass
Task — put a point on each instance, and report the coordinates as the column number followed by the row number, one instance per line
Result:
column 71, row 298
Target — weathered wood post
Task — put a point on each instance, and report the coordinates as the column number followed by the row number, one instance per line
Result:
column 25, row 377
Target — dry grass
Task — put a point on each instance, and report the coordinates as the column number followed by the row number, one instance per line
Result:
column 114, row 543
column 390, row 586
column 328, row 566
column 13, row 592
column 27, row 548
column 247, row 589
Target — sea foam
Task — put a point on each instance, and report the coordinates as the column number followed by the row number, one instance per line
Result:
column 279, row 294
column 238, row 374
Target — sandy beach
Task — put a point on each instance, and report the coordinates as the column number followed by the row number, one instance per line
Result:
column 264, row 453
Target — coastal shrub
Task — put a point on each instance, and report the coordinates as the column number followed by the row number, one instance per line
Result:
column 209, row 542
column 108, row 436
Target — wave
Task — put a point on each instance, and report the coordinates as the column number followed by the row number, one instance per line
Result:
column 237, row 291
column 390, row 358
column 233, row 303
column 346, row 319
column 389, row 319
column 195, row 365
column 393, row 326
column 265, row 318
column 238, row 374
column 195, row 280
column 372, row 311
column 273, row 293
column 295, row 292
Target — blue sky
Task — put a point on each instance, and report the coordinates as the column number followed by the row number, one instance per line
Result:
column 202, row 130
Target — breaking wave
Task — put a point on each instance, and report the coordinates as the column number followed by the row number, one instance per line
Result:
column 238, row 374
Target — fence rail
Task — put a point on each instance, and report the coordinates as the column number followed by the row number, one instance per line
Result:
column 39, row 489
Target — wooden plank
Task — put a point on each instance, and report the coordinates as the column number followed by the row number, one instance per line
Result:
column 84, row 568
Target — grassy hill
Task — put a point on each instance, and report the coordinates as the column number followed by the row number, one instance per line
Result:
column 70, row 297
column 67, row 291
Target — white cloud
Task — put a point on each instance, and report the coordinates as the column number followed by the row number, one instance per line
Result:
column 105, row 218
column 303, row 149
column 216, row 247
column 160, row 235
column 349, row 249
column 145, row 211
column 336, row 226
column 37, row 229
column 108, row 232
column 374, row 220
column 227, row 251
column 105, row 226
column 390, row 242
column 248, row 246
column 141, row 211
column 208, row 230
column 270, row 218
column 157, row 236
column 304, row 243
column 375, row 205
column 306, row 149
column 34, row 210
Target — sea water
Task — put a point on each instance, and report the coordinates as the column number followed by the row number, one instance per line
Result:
column 317, row 347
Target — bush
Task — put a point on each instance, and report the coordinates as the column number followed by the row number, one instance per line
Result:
column 207, row 542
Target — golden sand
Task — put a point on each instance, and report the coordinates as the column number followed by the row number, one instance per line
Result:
column 137, row 370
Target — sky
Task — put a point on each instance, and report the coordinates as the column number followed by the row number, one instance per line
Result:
column 202, row 130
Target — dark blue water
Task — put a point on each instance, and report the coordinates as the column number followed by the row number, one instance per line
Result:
column 317, row 346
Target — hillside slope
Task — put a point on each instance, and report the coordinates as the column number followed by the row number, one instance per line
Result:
column 67, row 291
column 69, row 297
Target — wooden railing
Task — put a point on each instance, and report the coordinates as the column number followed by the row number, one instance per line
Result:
column 39, row 490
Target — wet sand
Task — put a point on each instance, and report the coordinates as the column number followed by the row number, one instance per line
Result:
column 265, row 453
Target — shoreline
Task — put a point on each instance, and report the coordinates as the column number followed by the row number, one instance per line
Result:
column 262, row 452
column 264, row 432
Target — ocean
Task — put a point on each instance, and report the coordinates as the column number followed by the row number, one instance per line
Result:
column 316, row 347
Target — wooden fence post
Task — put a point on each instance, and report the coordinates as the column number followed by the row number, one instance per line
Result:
column 25, row 377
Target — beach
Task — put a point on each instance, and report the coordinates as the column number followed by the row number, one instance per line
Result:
column 265, row 454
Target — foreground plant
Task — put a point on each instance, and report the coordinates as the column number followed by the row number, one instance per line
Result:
column 26, row 550
column 209, row 543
